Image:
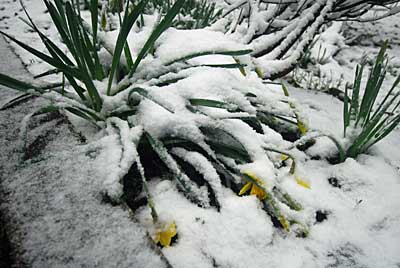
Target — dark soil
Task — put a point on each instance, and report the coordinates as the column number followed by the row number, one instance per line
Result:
column 5, row 248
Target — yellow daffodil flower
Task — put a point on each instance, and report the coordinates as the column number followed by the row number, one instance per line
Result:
column 165, row 234
column 255, row 190
column 302, row 182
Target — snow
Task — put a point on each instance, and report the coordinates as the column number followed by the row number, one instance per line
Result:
column 229, row 238
column 56, row 198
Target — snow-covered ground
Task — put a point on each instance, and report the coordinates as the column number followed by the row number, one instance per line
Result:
column 57, row 218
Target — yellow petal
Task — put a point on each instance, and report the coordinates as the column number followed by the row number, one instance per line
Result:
column 172, row 229
column 245, row 188
column 257, row 191
column 302, row 182
column 165, row 237
column 165, row 240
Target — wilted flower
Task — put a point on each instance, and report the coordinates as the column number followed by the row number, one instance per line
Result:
column 255, row 190
column 165, row 234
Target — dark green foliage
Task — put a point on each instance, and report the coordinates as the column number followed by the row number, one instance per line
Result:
column 194, row 14
column 368, row 121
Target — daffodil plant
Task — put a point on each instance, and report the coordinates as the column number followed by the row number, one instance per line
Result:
column 118, row 100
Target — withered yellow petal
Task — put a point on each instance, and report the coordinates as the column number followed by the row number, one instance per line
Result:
column 302, row 182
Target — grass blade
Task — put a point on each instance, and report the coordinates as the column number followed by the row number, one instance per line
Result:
column 346, row 111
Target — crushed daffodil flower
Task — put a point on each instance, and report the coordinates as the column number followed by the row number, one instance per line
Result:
column 302, row 182
column 255, row 190
column 165, row 234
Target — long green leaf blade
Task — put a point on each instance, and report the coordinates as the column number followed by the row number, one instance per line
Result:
column 126, row 26
column 210, row 52
column 164, row 24
column 17, row 84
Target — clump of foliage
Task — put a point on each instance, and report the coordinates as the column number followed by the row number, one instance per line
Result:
column 194, row 14
column 280, row 31
column 112, row 97
column 365, row 122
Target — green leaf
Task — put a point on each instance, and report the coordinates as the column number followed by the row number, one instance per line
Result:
column 127, row 24
column 196, row 175
column 59, row 20
column 164, row 25
column 78, row 112
column 225, row 144
column 395, row 84
column 17, row 84
column 225, row 175
column 17, row 100
column 43, row 56
column 210, row 52
column 346, row 111
column 252, row 121
column 391, row 126
column 354, row 106
column 82, row 52
column 373, row 85
column 49, row 72
column 183, row 183
column 285, row 198
column 213, row 104
column 225, row 66
column 94, row 14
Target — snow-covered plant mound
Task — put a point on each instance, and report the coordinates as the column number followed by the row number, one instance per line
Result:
column 206, row 123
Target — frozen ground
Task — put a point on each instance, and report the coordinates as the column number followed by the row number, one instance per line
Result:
column 56, row 217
